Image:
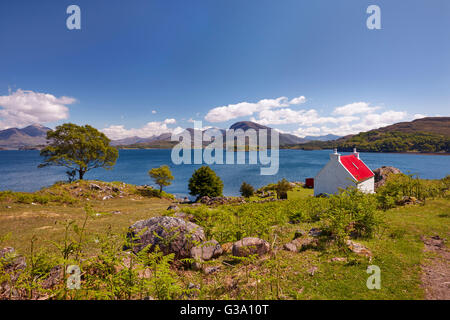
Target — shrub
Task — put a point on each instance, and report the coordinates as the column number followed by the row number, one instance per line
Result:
column 246, row 190
column 282, row 187
column 398, row 186
column 205, row 182
column 351, row 212
column 307, row 210
column 230, row 223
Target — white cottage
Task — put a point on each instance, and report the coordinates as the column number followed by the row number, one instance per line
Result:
column 344, row 171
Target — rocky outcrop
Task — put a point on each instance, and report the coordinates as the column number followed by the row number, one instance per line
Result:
column 206, row 251
column 382, row 173
column 250, row 246
column 172, row 235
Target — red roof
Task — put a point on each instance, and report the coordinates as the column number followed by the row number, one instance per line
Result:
column 356, row 167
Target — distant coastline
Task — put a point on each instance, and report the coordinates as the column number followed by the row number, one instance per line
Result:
column 281, row 148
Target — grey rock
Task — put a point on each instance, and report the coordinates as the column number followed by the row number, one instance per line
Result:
column 358, row 248
column 290, row 247
column 94, row 186
column 300, row 244
column 206, row 250
column 172, row 235
column 381, row 175
column 250, row 246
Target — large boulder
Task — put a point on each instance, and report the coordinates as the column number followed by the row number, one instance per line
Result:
column 172, row 235
column 382, row 173
column 206, row 250
column 250, row 246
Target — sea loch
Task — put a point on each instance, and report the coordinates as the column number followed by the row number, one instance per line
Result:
column 19, row 172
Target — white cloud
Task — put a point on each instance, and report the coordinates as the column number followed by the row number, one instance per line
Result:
column 348, row 125
column 170, row 121
column 153, row 111
column 301, row 117
column 243, row 109
column 116, row 132
column 355, row 108
column 23, row 107
column 298, row 100
column 420, row 116
column 343, row 120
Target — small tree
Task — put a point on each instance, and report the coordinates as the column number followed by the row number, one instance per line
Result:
column 282, row 187
column 246, row 190
column 205, row 182
column 78, row 148
column 162, row 176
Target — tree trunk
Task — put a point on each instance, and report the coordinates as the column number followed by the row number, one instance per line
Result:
column 160, row 191
column 81, row 173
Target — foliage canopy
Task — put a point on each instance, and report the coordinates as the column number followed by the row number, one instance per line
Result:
column 205, row 182
column 78, row 148
column 162, row 176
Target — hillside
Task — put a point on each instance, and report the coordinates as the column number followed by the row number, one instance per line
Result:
column 30, row 136
column 421, row 135
column 436, row 125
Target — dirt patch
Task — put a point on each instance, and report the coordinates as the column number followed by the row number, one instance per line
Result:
column 436, row 271
column 30, row 214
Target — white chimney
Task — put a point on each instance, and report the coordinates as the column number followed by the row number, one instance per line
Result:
column 335, row 155
column 356, row 154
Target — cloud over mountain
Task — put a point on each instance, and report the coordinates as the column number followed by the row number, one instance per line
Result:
column 24, row 107
column 243, row 109
column 153, row 128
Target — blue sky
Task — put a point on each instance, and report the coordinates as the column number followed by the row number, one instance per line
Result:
column 144, row 67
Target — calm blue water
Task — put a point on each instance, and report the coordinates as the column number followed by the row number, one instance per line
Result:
column 19, row 172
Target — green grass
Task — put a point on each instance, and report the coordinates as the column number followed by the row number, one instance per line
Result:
column 397, row 248
column 300, row 193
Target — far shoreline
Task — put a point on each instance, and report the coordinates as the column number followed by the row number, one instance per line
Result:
column 403, row 152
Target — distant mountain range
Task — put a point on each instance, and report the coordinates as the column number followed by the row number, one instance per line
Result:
column 422, row 135
column 327, row 137
column 164, row 140
column 28, row 137
column 429, row 135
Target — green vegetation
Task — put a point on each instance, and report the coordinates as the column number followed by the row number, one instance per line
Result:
column 401, row 187
column 79, row 149
column 57, row 234
column 205, row 182
column 162, row 176
column 282, row 187
column 380, row 141
column 246, row 190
